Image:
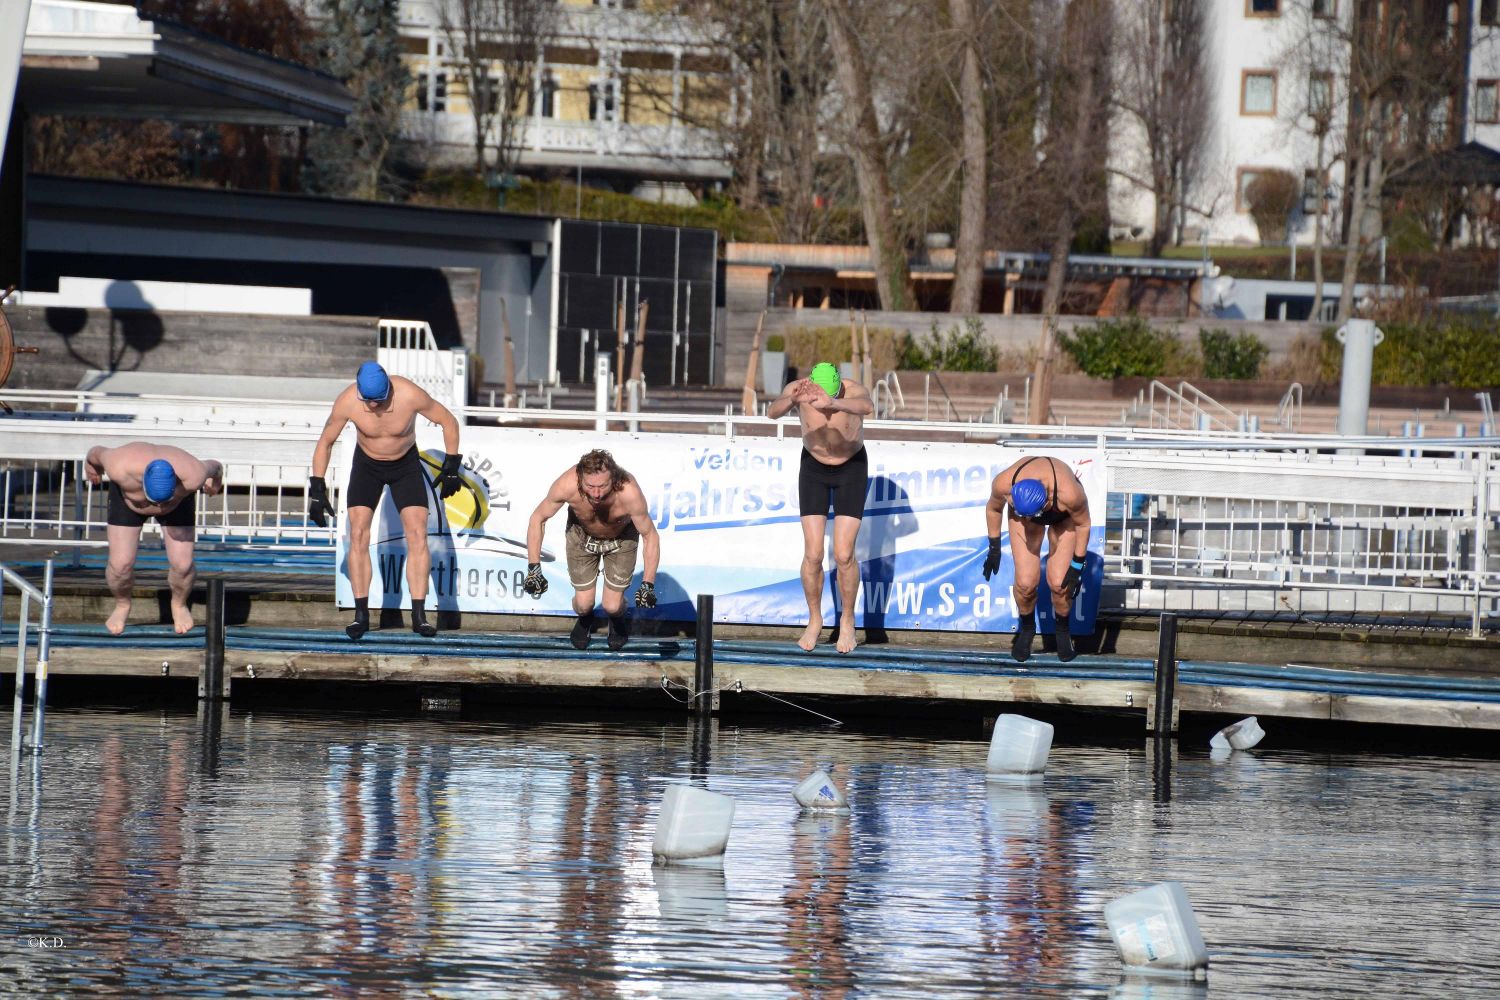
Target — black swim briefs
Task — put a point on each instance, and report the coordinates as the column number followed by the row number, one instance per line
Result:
column 847, row 482
column 368, row 478
column 120, row 514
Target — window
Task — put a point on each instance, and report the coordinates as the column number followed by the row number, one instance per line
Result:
column 1325, row 8
column 1312, row 192
column 1487, row 101
column 602, row 102
column 548, row 105
column 488, row 92
column 1320, row 94
column 1243, row 177
column 1258, row 92
column 1489, row 12
column 1262, row 8
column 432, row 92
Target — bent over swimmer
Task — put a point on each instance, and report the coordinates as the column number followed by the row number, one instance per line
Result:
column 1044, row 497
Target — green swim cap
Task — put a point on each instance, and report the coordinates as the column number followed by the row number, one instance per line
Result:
column 826, row 377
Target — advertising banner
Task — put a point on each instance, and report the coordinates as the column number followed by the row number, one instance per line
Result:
column 727, row 512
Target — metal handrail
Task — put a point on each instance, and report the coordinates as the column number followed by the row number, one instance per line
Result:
column 1289, row 410
column 1185, row 405
column 30, row 593
column 952, row 412
column 1201, row 398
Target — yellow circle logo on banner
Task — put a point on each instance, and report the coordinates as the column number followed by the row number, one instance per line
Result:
column 470, row 506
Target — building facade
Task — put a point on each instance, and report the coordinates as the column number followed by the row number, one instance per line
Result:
column 1280, row 72
column 620, row 92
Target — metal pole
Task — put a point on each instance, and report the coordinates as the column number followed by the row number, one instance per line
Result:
column 1481, row 541
column 1359, row 337
column 43, row 648
column 211, row 680
column 18, row 708
column 704, row 701
column 601, row 389
column 1166, row 675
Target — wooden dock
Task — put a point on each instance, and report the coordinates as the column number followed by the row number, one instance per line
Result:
column 666, row 668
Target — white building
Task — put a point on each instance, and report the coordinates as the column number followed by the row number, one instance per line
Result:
column 603, row 92
column 1264, row 83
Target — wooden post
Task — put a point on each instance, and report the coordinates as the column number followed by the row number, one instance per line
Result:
column 747, row 395
column 1164, row 719
column 638, row 355
column 864, row 322
column 704, row 699
column 853, row 346
column 211, row 682
column 510, row 356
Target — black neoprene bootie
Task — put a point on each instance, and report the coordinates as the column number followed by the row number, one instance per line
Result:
column 419, row 622
column 1065, row 650
column 581, row 629
column 361, row 623
column 619, row 631
column 1020, row 646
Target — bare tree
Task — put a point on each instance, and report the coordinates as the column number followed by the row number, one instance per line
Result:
column 1165, row 91
column 496, row 46
column 1407, row 64
column 866, row 145
column 968, row 264
column 1074, row 77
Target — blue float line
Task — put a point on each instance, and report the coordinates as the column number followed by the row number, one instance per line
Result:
column 1323, row 680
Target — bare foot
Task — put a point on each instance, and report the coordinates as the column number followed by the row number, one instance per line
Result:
column 115, row 623
column 182, row 620
column 809, row 637
column 847, row 638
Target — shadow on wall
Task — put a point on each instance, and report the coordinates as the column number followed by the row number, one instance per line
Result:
column 133, row 332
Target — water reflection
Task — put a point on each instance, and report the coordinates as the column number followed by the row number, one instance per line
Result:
column 248, row 853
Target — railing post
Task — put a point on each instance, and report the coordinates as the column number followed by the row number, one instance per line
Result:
column 1163, row 723
column 211, row 682
column 18, row 707
column 43, row 650
column 705, row 700
column 601, row 390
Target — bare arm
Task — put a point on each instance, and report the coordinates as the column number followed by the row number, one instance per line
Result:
column 994, row 511
column 93, row 464
column 198, row 474
column 444, row 418
column 1082, row 524
column 323, row 450
column 640, row 516
column 856, row 400
column 794, row 393
column 213, row 483
column 553, row 503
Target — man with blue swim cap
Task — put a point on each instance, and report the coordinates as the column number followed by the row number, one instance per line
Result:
column 1061, row 513
column 146, row 481
column 384, row 410
column 834, row 473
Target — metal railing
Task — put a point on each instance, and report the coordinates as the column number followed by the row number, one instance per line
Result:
column 1198, row 509
column 43, row 598
column 888, row 391
column 1289, row 409
column 1187, row 408
column 951, row 413
column 408, row 348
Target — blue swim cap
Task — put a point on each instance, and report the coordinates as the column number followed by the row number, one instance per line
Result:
column 374, row 384
column 160, row 481
column 1028, row 497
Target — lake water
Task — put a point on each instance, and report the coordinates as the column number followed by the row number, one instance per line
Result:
column 272, row 854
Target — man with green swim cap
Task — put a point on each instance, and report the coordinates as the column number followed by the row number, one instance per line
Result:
column 834, row 472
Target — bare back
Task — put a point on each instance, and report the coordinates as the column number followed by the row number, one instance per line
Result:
column 126, row 468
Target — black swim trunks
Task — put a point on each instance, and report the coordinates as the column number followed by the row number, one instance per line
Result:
column 119, row 513
column 847, row 483
column 368, row 478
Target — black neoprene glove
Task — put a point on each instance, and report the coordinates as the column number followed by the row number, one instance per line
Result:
column 645, row 597
column 535, row 583
column 448, row 480
column 319, row 510
column 1073, row 581
column 992, row 559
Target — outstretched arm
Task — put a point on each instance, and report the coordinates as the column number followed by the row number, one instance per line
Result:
column 323, row 450
column 444, row 418
column 650, row 543
column 550, row 505
column 994, row 510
